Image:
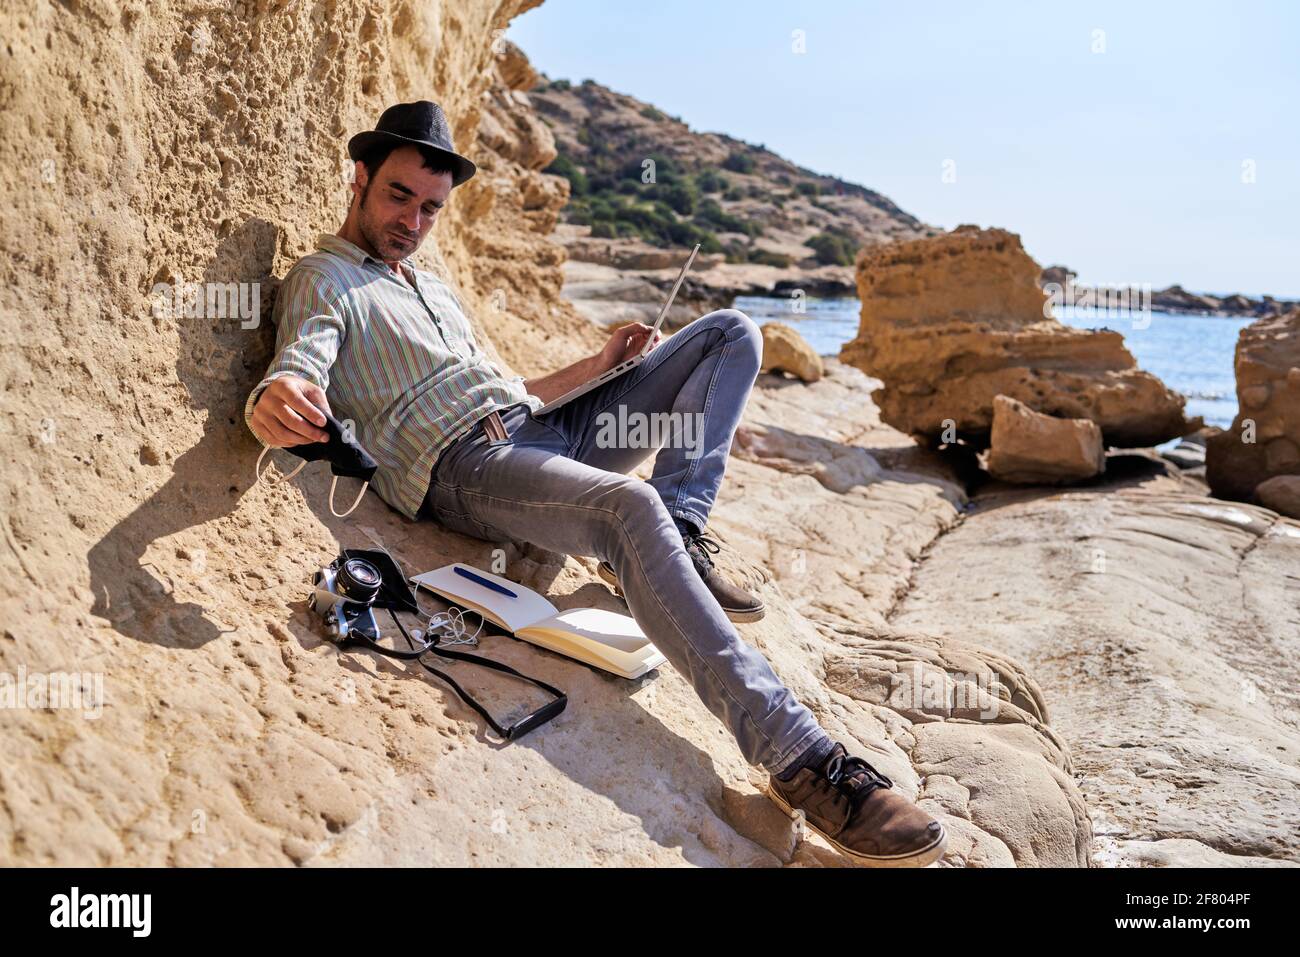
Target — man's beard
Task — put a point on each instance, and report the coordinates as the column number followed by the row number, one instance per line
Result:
column 381, row 240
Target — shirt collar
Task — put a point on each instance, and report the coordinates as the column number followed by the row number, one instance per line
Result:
column 353, row 253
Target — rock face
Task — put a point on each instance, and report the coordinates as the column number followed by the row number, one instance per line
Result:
column 1264, row 439
column 179, row 141
column 951, row 321
column 785, row 350
column 1029, row 448
column 1281, row 493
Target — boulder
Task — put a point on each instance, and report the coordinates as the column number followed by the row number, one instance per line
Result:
column 1060, row 275
column 950, row 322
column 1264, row 439
column 1281, row 493
column 1032, row 449
column 785, row 350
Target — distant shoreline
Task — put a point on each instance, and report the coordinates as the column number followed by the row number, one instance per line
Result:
column 1175, row 299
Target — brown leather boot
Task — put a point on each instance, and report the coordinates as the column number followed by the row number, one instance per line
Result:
column 855, row 808
column 739, row 605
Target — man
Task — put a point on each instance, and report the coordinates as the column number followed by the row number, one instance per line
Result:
column 366, row 335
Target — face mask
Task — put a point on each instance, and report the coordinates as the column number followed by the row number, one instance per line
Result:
column 345, row 455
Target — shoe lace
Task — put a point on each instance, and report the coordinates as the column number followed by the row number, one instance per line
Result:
column 703, row 544
column 855, row 778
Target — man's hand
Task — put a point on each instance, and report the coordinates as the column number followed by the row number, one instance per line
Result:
column 624, row 342
column 288, row 411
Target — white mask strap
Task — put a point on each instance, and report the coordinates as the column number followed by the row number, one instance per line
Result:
column 257, row 469
column 355, row 503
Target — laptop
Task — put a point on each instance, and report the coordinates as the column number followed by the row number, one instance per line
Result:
column 626, row 364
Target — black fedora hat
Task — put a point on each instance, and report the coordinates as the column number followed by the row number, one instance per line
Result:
column 417, row 124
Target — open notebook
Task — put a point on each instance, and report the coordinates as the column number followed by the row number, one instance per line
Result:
column 602, row 639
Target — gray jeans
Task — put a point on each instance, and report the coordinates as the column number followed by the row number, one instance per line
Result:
column 560, row 484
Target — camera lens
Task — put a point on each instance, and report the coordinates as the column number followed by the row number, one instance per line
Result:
column 359, row 581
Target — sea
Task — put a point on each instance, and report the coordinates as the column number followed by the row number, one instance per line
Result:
column 1192, row 354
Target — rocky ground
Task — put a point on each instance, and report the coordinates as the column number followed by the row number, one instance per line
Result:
column 1163, row 627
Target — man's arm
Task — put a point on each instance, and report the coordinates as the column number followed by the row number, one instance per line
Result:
column 624, row 342
column 285, row 407
column 553, row 386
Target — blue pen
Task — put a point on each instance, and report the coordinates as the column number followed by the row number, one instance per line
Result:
column 466, row 573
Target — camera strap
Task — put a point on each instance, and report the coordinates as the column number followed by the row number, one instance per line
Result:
column 510, row 732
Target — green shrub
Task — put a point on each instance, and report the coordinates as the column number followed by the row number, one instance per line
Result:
column 601, row 182
column 712, row 215
column 680, row 197
column 563, row 166
column 808, row 189
column 650, row 113
column 711, row 181
column 652, row 224
column 633, row 169
column 602, row 208
column 766, row 257
column 833, row 249
column 739, row 162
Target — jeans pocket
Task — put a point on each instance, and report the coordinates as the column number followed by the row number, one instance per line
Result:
column 550, row 436
column 450, row 512
column 464, row 525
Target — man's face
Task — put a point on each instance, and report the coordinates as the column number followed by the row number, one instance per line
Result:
column 400, row 203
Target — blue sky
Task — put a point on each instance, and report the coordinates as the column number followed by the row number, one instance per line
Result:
column 1126, row 165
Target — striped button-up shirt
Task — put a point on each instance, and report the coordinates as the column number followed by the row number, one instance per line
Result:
column 398, row 361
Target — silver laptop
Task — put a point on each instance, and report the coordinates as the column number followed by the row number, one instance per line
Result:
column 637, row 359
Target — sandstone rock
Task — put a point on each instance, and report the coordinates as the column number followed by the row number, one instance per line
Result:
column 1281, row 493
column 1161, row 627
column 1058, row 275
column 633, row 254
column 1264, row 439
column 516, row 72
column 787, row 351
column 1176, row 852
column 1029, row 448
column 951, row 321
